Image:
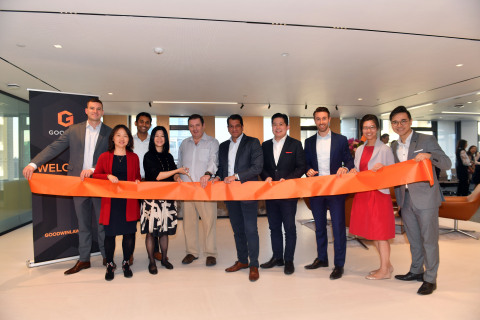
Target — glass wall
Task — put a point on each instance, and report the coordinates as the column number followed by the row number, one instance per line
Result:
column 15, row 195
column 178, row 132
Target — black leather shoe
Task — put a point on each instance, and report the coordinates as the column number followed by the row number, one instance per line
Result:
column 211, row 261
column 289, row 267
column 110, row 274
column 427, row 288
column 272, row 263
column 409, row 277
column 166, row 264
column 317, row 264
column 127, row 272
column 189, row 259
column 152, row 268
column 336, row 273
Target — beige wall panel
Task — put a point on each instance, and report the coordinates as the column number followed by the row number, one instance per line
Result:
column 113, row 120
column 335, row 125
column 253, row 127
column 294, row 127
column 210, row 125
column 165, row 122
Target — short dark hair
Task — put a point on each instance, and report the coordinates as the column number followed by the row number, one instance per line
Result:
column 144, row 114
column 111, row 145
column 95, row 99
column 235, row 117
column 196, row 116
column 369, row 117
column 384, row 135
column 321, row 109
column 400, row 109
column 280, row 115
column 151, row 144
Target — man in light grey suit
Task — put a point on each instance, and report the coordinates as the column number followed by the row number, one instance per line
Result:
column 86, row 141
column 418, row 201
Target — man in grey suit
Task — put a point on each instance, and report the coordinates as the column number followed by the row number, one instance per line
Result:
column 86, row 141
column 418, row 201
column 241, row 159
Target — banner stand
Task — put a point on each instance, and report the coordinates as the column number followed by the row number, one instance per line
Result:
column 32, row 264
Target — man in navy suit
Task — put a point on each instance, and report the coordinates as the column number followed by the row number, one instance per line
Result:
column 283, row 158
column 240, row 158
column 327, row 153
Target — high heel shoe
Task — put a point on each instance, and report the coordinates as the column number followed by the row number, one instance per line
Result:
column 152, row 268
column 167, row 264
column 127, row 272
column 110, row 274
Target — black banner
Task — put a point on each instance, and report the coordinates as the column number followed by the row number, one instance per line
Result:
column 55, row 227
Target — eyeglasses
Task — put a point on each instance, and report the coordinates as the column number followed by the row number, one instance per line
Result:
column 402, row 122
column 369, row 128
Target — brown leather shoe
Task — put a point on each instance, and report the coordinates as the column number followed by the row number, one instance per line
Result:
column 253, row 276
column 189, row 259
column 157, row 256
column 211, row 261
column 77, row 267
column 237, row 266
column 130, row 261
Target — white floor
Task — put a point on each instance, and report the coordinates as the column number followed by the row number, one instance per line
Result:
column 198, row 292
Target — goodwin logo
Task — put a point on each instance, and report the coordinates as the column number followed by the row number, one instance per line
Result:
column 65, row 118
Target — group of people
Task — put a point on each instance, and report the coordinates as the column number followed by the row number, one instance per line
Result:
column 467, row 167
column 100, row 152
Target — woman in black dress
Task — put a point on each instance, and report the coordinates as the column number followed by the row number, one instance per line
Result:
column 475, row 168
column 119, row 216
column 159, row 217
column 462, row 165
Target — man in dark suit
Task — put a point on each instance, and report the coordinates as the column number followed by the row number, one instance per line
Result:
column 283, row 158
column 419, row 201
column 241, row 159
column 86, row 141
column 327, row 153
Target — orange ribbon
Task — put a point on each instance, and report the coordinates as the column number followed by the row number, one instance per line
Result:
column 388, row 176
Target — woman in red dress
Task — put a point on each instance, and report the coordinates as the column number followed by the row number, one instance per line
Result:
column 372, row 211
column 119, row 216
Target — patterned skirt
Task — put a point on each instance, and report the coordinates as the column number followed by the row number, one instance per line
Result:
column 158, row 217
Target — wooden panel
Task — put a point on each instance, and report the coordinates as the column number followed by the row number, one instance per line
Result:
column 253, row 127
column 209, row 125
column 165, row 122
column 335, row 125
column 294, row 127
column 113, row 120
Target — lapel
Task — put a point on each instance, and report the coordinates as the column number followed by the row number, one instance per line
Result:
column 101, row 137
column 285, row 147
column 243, row 142
column 82, row 134
column 413, row 145
column 376, row 149
column 333, row 139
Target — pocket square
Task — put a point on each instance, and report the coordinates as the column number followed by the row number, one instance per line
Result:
column 418, row 151
column 288, row 152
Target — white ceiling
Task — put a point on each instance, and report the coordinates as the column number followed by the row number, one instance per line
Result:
column 108, row 47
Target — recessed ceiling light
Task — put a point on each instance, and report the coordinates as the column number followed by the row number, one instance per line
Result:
column 430, row 110
column 459, row 65
column 285, row 54
column 360, row 99
column 460, row 112
column 469, row 102
column 21, row 45
column 110, row 93
column 58, row 46
column 420, row 106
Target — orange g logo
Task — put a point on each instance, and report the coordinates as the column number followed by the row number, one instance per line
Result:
column 65, row 118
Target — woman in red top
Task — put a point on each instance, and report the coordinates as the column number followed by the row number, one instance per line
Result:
column 372, row 211
column 119, row 216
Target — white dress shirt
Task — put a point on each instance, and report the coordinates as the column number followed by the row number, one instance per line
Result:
column 323, row 153
column 232, row 154
column 277, row 148
column 199, row 158
column 402, row 150
column 91, row 137
column 140, row 148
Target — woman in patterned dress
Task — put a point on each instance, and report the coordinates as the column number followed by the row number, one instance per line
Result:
column 159, row 217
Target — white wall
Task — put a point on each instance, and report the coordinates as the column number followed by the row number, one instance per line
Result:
column 470, row 132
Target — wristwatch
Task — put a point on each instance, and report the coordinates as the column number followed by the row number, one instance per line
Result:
column 208, row 173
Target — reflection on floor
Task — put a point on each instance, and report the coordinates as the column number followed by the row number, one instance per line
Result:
column 199, row 292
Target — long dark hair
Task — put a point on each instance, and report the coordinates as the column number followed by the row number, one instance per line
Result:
column 111, row 145
column 461, row 145
column 151, row 144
